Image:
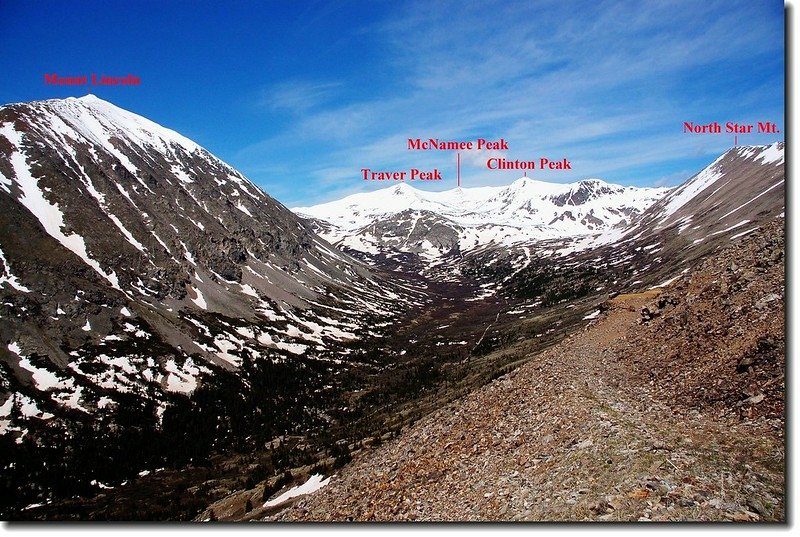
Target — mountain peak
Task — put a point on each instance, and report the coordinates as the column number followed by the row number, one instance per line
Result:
column 403, row 188
column 593, row 182
column 90, row 98
column 526, row 182
column 98, row 120
column 530, row 185
column 768, row 154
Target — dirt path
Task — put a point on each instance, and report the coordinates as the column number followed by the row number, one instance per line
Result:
column 572, row 435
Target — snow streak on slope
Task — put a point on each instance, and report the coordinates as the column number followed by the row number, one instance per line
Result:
column 49, row 214
column 714, row 174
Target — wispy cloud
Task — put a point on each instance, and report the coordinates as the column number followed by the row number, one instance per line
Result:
column 297, row 96
column 605, row 84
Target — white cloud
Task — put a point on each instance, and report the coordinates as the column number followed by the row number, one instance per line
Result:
column 297, row 96
column 606, row 85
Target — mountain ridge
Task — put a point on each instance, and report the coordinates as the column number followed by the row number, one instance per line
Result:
column 147, row 288
column 527, row 209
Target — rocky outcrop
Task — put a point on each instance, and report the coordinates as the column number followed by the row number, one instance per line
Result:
column 715, row 339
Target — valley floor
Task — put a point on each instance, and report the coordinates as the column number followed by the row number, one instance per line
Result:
column 575, row 434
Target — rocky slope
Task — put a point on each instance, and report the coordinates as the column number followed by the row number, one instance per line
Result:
column 668, row 406
column 135, row 268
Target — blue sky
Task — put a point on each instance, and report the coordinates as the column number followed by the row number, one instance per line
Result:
column 300, row 95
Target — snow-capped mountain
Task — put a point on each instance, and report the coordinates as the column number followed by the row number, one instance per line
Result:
column 404, row 218
column 739, row 189
column 739, row 192
column 745, row 184
column 133, row 261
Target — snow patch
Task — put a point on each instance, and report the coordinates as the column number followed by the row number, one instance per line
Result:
column 181, row 379
column 314, row 483
column 772, row 154
column 743, row 233
column 666, row 282
column 9, row 278
column 198, row 300
column 243, row 209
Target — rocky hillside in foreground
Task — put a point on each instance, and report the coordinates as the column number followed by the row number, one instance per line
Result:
column 668, row 406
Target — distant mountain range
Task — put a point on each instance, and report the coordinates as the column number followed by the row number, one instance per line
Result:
column 505, row 240
column 738, row 193
column 585, row 214
column 404, row 218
